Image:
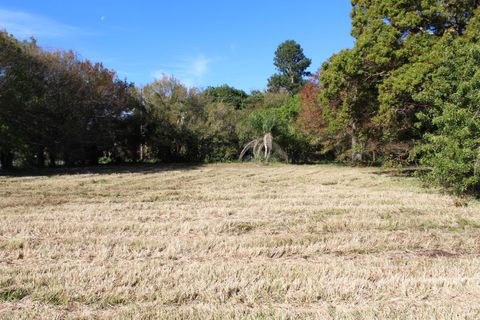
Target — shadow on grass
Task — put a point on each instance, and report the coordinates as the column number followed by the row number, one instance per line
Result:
column 404, row 172
column 100, row 169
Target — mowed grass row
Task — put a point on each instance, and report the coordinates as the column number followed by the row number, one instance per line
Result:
column 241, row 241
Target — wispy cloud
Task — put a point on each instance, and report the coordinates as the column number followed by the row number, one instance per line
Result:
column 200, row 66
column 190, row 71
column 24, row 25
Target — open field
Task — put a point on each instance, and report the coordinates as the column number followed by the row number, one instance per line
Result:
column 235, row 241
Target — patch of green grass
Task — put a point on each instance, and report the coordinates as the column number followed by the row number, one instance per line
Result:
column 56, row 297
column 239, row 227
column 411, row 211
column 334, row 211
column 465, row 223
column 430, row 225
column 385, row 216
column 393, row 225
column 112, row 300
column 13, row 294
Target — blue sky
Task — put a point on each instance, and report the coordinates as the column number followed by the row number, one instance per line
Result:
column 201, row 42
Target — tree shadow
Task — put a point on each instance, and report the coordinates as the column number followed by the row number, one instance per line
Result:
column 101, row 169
column 403, row 172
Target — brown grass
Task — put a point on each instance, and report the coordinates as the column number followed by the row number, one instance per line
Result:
column 235, row 241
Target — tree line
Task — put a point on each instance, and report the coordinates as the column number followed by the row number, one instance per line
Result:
column 57, row 109
column 407, row 93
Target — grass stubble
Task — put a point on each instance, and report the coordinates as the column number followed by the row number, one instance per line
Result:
column 236, row 241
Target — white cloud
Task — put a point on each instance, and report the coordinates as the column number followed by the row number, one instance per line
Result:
column 25, row 25
column 200, row 66
column 189, row 71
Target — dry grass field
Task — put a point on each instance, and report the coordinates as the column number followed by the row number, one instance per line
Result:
column 235, row 241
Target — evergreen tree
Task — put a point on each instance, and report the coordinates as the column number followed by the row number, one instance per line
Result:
column 291, row 64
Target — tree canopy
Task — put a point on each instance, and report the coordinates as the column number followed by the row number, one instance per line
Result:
column 291, row 64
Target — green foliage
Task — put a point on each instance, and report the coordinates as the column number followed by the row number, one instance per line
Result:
column 265, row 121
column 348, row 97
column 227, row 95
column 452, row 149
column 55, row 106
column 368, row 96
column 292, row 64
column 185, row 125
column 293, row 141
column 223, row 141
column 280, row 121
column 173, row 115
column 58, row 109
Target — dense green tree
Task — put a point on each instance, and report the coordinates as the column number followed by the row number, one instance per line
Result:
column 413, row 16
column 184, row 124
column 291, row 64
column 222, row 141
column 56, row 108
column 421, row 28
column 21, row 98
column 367, row 95
column 349, row 102
column 172, row 115
column 452, row 147
column 10, row 49
column 227, row 95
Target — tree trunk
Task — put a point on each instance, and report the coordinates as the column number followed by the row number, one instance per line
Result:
column 357, row 153
column 6, row 160
column 53, row 160
column 40, row 158
column 141, row 152
column 67, row 159
column 268, row 142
